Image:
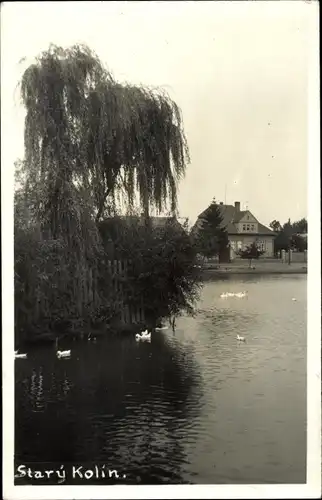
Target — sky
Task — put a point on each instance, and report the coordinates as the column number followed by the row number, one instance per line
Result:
column 238, row 71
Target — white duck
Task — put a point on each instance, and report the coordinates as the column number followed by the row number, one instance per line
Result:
column 241, row 295
column 224, row 295
column 20, row 356
column 143, row 336
column 63, row 354
column 294, row 299
column 241, row 339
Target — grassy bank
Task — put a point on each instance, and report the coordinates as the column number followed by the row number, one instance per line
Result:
column 84, row 334
column 260, row 267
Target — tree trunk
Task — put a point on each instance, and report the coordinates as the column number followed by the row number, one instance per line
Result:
column 101, row 207
column 146, row 213
column 108, row 191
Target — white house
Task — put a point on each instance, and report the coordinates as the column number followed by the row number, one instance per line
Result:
column 243, row 229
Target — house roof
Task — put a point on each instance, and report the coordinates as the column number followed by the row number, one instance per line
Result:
column 158, row 223
column 265, row 230
column 241, row 214
column 231, row 216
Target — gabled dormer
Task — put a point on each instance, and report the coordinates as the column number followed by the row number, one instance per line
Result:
column 244, row 221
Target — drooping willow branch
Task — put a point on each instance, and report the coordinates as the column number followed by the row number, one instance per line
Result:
column 82, row 127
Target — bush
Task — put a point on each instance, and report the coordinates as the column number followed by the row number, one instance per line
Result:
column 163, row 271
column 53, row 291
column 163, row 277
column 251, row 252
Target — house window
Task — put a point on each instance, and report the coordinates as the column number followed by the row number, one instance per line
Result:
column 247, row 227
column 244, row 227
column 253, row 227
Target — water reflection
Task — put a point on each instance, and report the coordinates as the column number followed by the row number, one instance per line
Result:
column 117, row 398
column 194, row 407
column 37, row 400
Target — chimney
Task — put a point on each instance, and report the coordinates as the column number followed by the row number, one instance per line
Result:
column 237, row 206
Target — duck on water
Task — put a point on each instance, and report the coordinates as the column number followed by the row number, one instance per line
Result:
column 20, row 356
column 143, row 336
column 239, row 295
column 62, row 354
column 240, row 339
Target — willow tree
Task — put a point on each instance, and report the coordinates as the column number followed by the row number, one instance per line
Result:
column 90, row 141
column 86, row 133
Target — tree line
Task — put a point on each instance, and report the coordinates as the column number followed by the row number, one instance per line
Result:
column 290, row 235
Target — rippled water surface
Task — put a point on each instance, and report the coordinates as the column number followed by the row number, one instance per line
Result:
column 194, row 407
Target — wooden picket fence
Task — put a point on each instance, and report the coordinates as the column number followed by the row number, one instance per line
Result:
column 119, row 271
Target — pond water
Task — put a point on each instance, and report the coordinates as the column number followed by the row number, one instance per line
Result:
column 196, row 406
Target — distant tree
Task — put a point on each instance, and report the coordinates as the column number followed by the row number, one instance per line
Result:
column 289, row 236
column 281, row 242
column 298, row 242
column 300, row 226
column 212, row 238
column 288, row 227
column 251, row 252
column 275, row 225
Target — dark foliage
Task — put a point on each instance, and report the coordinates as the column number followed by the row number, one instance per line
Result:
column 212, row 237
column 251, row 252
column 163, row 271
column 90, row 143
column 290, row 235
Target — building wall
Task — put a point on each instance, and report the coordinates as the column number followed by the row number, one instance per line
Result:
column 247, row 223
column 241, row 241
